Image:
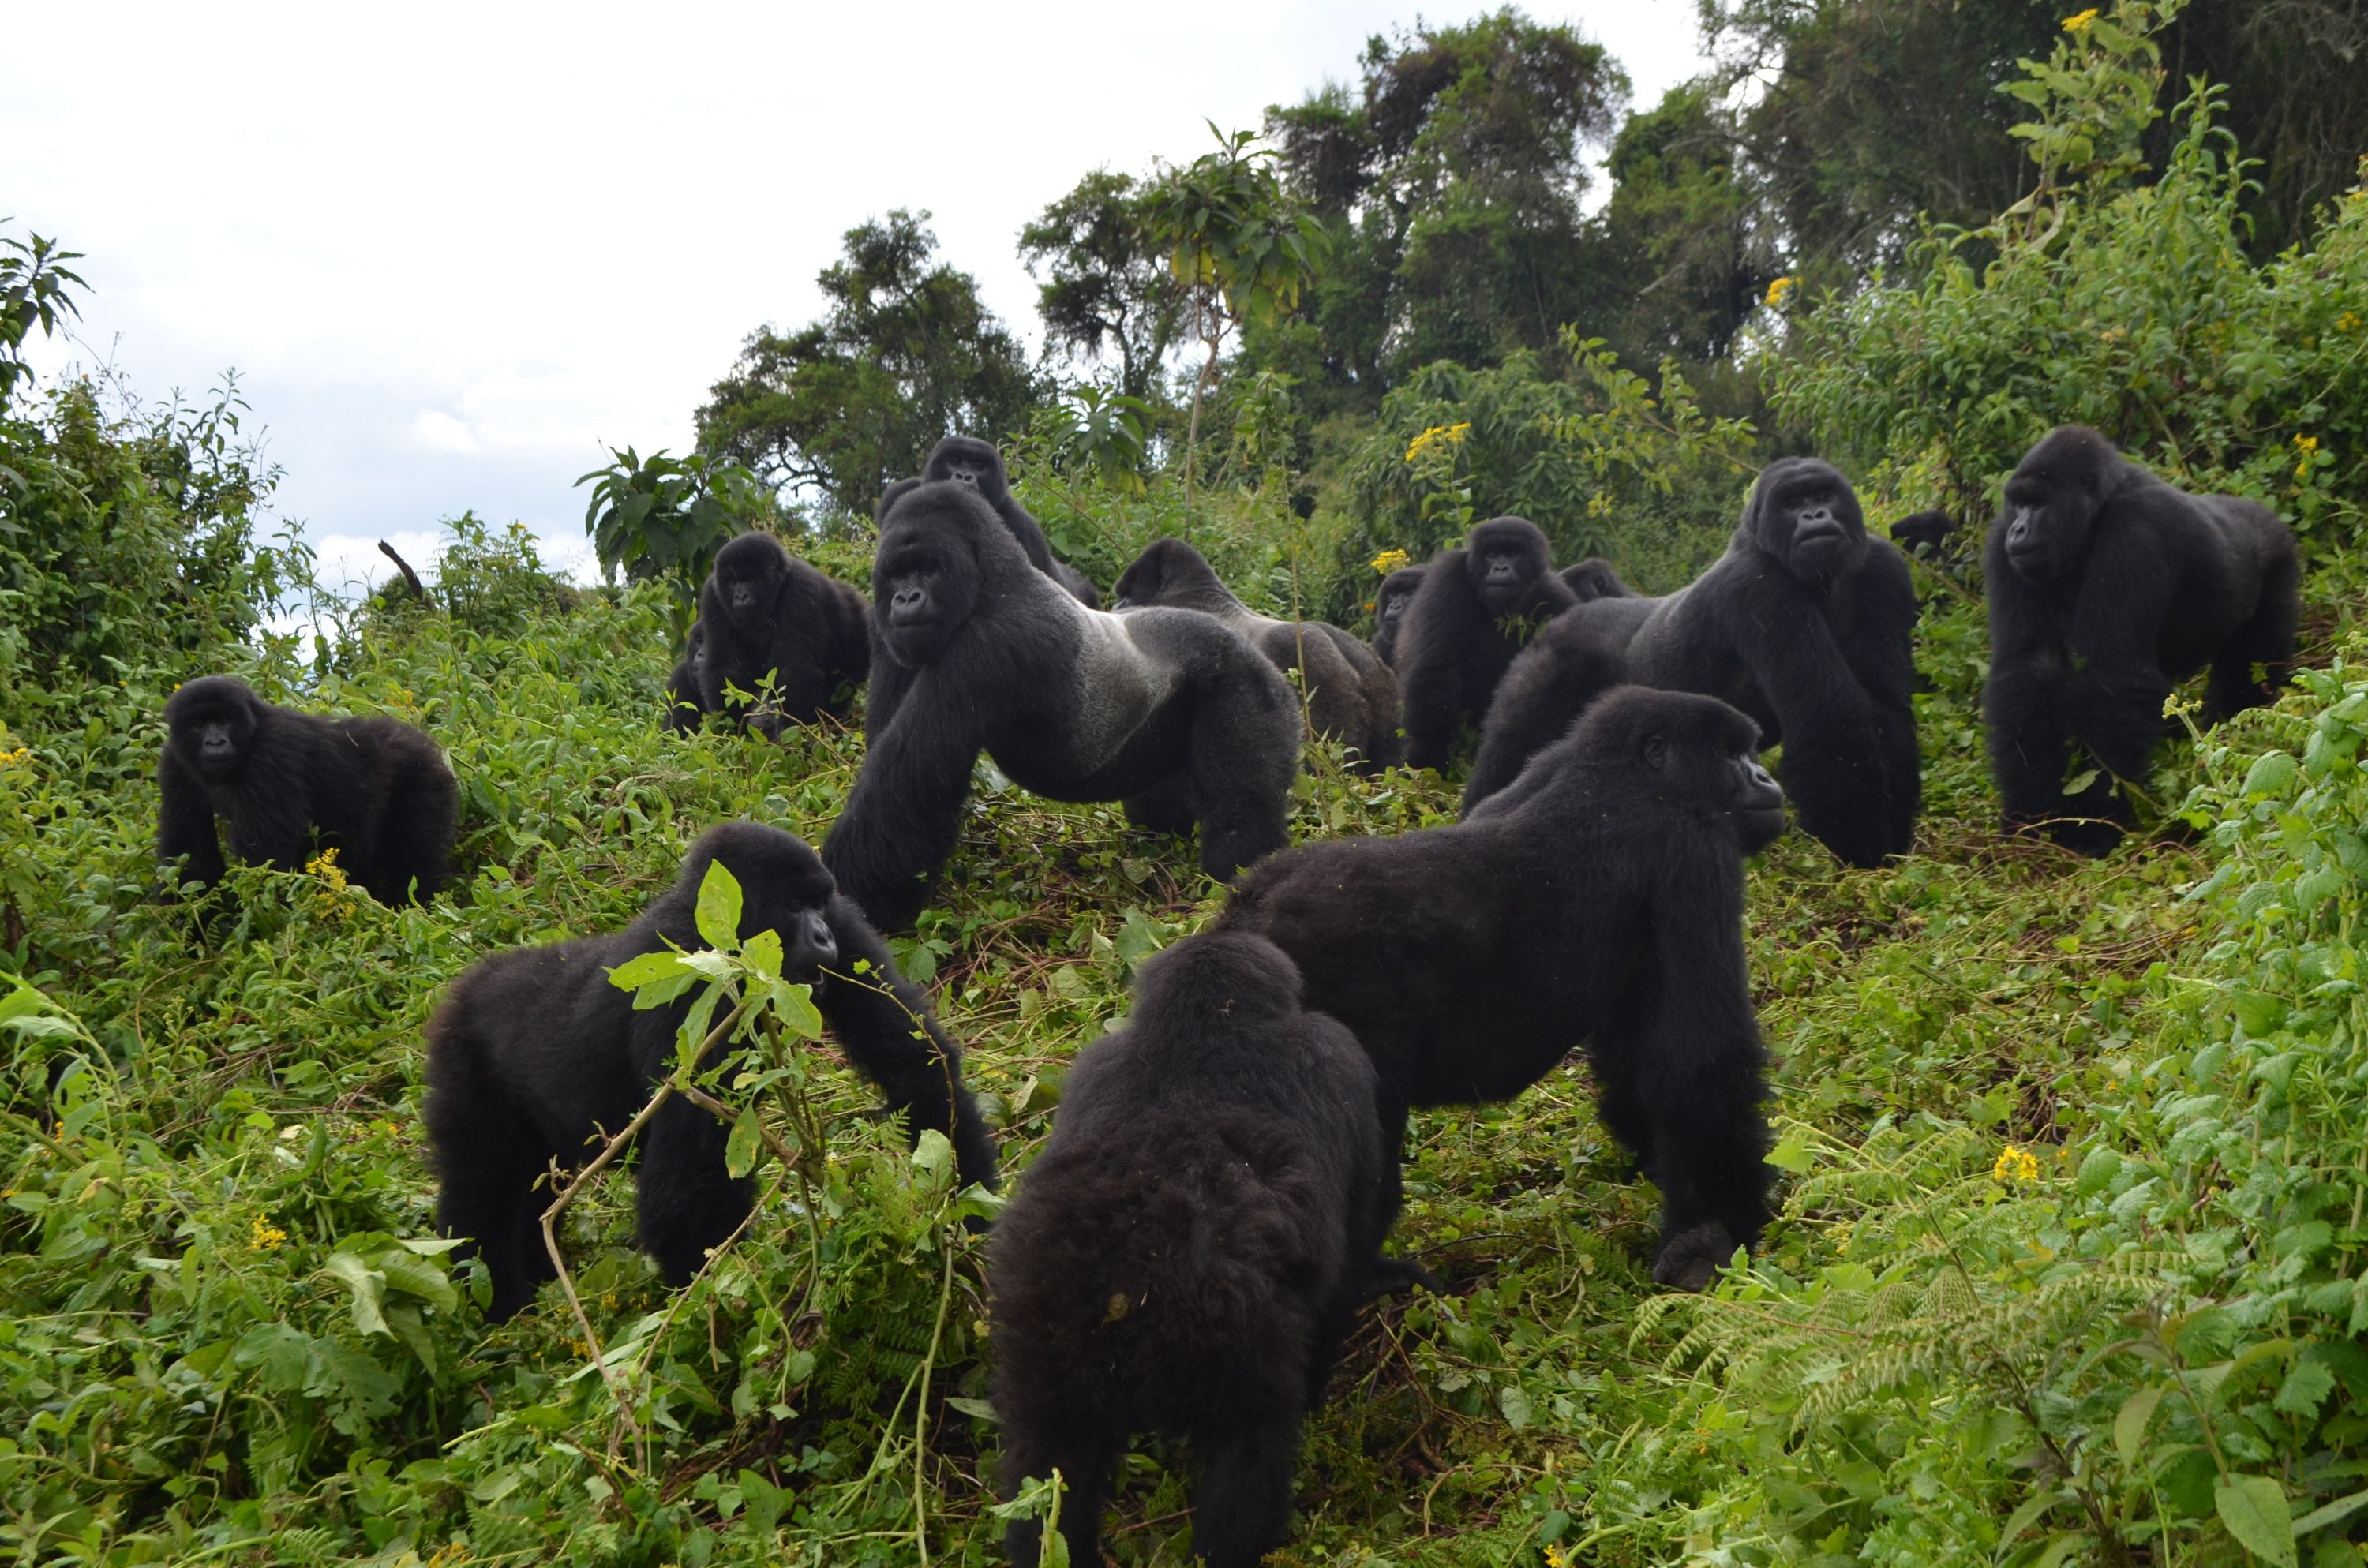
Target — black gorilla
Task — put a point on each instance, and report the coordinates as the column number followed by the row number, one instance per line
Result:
column 1477, row 605
column 1390, row 601
column 1598, row 899
column 974, row 461
column 534, row 1052
column 1924, row 533
column 1593, row 579
column 683, row 705
column 1805, row 624
column 1165, row 709
column 2107, row 587
column 1189, row 1248
column 377, row 791
column 1351, row 695
column 763, row 612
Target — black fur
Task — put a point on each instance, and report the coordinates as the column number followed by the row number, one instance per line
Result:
column 534, row 1052
column 1805, row 624
column 1351, row 695
column 2106, row 587
column 1599, row 899
column 974, row 461
column 1165, row 709
column 376, row 789
column 1189, row 1248
column 1593, row 579
column 1390, row 601
column 1477, row 606
column 683, row 708
column 763, row 612
column 1924, row 533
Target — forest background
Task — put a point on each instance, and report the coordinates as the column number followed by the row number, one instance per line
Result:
column 2072, row 1266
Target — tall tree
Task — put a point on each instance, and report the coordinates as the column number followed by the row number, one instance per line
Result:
column 1104, row 289
column 906, row 352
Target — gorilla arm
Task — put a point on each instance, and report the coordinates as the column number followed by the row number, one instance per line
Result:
column 902, row 816
column 185, row 822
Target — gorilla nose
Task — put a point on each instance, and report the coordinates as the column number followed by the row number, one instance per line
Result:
column 2018, row 532
column 1817, row 524
column 908, row 604
column 742, row 598
column 819, row 941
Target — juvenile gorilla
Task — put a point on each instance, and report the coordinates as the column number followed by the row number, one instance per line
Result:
column 1924, row 533
column 1805, row 624
column 1166, row 709
column 762, row 613
column 377, row 791
column 2106, row 587
column 534, row 1053
column 977, row 462
column 1598, row 899
column 683, row 705
column 1351, row 695
column 1477, row 605
column 1390, row 601
column 1593, row 579
column 1188, row 1250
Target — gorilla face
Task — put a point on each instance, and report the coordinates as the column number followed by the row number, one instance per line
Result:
column 210, row 725
column 2052, row 503
column 1505, row 557
column 1804, row 514
column 1711, row 753
column 750, row 571
column 923, row 579
column 1391, row 605
column 969, row 461
column 785, row 890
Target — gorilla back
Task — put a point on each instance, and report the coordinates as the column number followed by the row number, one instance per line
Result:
column 1166, row 709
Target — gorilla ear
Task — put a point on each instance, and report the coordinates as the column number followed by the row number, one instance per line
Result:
column 1656, row 753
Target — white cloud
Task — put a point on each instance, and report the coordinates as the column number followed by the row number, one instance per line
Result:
column 454, row 249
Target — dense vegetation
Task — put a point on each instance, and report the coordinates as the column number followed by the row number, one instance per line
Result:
column 2072, row 1266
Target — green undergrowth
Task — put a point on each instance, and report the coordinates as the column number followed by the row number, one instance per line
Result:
column 2065, row 1271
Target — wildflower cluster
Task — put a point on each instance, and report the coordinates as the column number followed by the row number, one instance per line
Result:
column 334, row 901
column 2307, row 446
column 1390, row 561
column 1780, row 291
column 2016, row 1164
column 2079, row 23
column 12, row 758
column 266, row 1236
column 1437, row 436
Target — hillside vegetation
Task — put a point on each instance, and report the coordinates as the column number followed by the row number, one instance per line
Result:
column 2071, row 1266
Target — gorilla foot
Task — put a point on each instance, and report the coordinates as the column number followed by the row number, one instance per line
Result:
column 1388, row 1276
column 1690, row 1260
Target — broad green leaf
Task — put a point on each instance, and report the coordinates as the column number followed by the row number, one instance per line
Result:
column 740, row 1149
column 719, row 906
column 2306, row 1386
column 934, row 1156
column 2080, row 781
column 2270, row 776
column 646, row 968
column 793, row 1006
column 2129, row 1425
column 2254, row 1509
column 368, row 1288
column 1792, row 1152
column 763, row 954
column 1515, row 1406
column 2333, row 1513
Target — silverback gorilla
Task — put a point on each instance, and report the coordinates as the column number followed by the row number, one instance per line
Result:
column 1189, row 1248
column 534, row 1052
column 1166, row 709
column 2106, row 587
column 1599, row 899
column 1479, row 604
column 765, row 614
column 1805, row 624
column 375, row 790
column 1351, row 695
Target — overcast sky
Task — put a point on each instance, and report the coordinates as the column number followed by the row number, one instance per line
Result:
column 453, row 250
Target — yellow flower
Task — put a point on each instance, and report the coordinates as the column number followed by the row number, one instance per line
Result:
column 2306, row 445
column 1780, row 291
column 2016, row 1164
column 2348, row 322
column 1554, row 1559
column 324, row 865
column 267, row 1237
column 1390, row 561
column 1453, row 434
column 11, row 758
column 2080, row 24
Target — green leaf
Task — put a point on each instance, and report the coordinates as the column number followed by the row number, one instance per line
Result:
column 2272, row 775
column 2333, row 1513
column 985, row 1411
column 1792, row 1152
column 740, row 1149
column 762, row 953
column 793, row 1007
column 2080, row 781
column 2129, row 1425
column 368, row 1288
column 647, row 969
column 2254, row 1509
column 933, row 1156
column 1515, row 1404
column 2097, row 1172
column 2306, row 1386
column 719, row 906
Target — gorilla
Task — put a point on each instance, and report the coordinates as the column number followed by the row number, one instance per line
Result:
column 1805, row 624
column 683, row 708
column 1188, row 1250
column 1390, row 601
column 1477, row 605
column 1593, row 578
column 1924, row 533
column 977, row 462
column 1351, row 695
column 763, row 612
column 2106, row 587
column 376, row 791
column 1167, row 710
column 1598, row 899
column 533, row 1053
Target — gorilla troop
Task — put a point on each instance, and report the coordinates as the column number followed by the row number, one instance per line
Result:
column 375, row 790
column 1477, row 606
column 1598, row 899
column 1805, row 624
column 535, row 1057
column 1166, row 709
column 2107, row 587
column 765, row 614
column 1351, row 695
column 971, row 461
column 1189, row 1248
